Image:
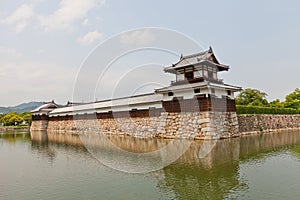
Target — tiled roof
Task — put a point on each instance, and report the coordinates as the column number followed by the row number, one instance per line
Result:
column 196, row 59
column 181, row 87
column 226, row 86
column 134, row 100
column 45, row 107
column 195, row 85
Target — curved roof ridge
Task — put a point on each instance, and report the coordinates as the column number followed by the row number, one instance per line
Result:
column 197, row 54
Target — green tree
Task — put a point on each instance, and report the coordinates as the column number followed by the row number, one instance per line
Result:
column 1, row 119
column 12, row 118
column 252, row 97
column 16, row 119
column 6, row 119
column 27, row 117
column 292, row 100
column 276, row 104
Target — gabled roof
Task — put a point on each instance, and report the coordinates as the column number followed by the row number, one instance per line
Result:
column 205, row 57
column 45, row 108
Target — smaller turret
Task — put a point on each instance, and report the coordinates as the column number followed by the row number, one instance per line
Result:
column 40, row 116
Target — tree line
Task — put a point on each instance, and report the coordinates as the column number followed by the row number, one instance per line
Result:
column 254, row 97
column 13, row 119
column 252, row 101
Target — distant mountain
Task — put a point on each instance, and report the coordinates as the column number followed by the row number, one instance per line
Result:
column 24, row 107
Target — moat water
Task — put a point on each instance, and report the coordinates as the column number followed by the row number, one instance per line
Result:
column 61, row 167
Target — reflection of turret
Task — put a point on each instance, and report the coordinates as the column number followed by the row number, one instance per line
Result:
column 39, row 136
column 49, row 144
column 39, row 144
column 215, row 175
column 208, row 178
column 190, row 177
column 209, row 154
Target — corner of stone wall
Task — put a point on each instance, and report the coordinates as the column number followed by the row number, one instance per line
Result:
column 39, row 125
column 221, row 125
column 198, row 125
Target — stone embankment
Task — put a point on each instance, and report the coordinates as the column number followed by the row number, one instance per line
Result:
column 254, row 124
column 194, row 125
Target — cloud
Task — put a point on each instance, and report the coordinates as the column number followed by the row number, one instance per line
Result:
column 34, row 80
column 90, row 37
column 67, row 13
column 20, row 17
column 85, row 22
column 139, row 37
column 40, row 51
column 9, row 52
column 32, row 71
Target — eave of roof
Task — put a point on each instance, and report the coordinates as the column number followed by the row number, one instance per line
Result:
column 44, row 107
column 221, row 67
column 226, row 86
column 196, row 59
column 197, row 85
column 126, row 101
column 181, row 87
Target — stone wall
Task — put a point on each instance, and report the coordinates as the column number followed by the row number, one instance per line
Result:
column 265, row 123
column 39, row 125
column 195, row 125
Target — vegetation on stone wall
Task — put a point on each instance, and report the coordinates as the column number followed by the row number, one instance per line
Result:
column 252, row 101
column 13, row 118
column 241, row 109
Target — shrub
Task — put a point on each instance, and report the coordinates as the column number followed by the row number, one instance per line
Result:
column 241, row 109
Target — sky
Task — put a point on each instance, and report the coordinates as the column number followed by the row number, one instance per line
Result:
column 45, row 44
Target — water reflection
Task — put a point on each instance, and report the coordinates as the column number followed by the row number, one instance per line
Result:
column 14, row 136
column 48, row 145
column 217, row 175
column 256, row 146
column 224, row 151
column 210, row 176
column 40, row 145
column 296, row 151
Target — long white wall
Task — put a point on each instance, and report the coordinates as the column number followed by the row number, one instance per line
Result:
column 188, row 94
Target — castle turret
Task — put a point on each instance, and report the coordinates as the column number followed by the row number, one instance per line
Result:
column 198, row 74
column 40, row 116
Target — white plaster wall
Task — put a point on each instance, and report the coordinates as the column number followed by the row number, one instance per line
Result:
column 91, row 110
column 188, row 94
